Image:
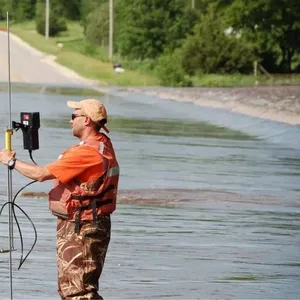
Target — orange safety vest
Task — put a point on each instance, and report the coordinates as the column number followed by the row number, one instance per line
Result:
column 84, row 201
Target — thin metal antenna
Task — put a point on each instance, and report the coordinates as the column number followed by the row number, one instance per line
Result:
column 9, row 172
column 9, row 82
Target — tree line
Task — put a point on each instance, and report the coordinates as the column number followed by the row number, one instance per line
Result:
column 178, row 40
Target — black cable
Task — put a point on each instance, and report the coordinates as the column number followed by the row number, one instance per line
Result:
column 22, row 260
column 29, row 219
column 30, row 155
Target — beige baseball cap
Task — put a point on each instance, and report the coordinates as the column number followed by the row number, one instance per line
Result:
column 91, row 108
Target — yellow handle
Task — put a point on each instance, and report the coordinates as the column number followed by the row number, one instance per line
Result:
column 8, row 134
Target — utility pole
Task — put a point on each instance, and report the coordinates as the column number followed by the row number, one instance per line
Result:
column 111, row 28
column 47, row 14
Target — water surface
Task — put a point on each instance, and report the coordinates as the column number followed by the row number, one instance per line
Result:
column 209, row 202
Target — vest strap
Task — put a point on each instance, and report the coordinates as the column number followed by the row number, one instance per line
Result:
column 96, row 202
column 77, row 222
column 92, row 206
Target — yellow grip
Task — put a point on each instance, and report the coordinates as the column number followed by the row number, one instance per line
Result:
column 8, row 134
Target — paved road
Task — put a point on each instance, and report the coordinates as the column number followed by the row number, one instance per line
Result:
column 31, row 66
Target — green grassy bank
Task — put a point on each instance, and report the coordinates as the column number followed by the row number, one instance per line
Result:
column 72, row 51
column 76, row 54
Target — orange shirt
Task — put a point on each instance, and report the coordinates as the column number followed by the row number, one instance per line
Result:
column 82, row 162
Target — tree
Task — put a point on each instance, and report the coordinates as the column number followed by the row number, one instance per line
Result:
column 3, row 9
column 25, row 9
column 170, row 72
column 87, row 7
column 274, row 23
column 213, row 49
column 73, row 9
column 57, row 22
column 98, row 26
column 7, row 5
column 145, row 29
column 18, row 10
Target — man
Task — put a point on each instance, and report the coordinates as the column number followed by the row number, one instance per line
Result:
column 83, row 197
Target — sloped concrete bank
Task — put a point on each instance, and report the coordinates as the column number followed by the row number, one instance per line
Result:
column 278, row 103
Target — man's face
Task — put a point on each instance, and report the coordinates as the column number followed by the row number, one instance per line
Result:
column 77, row 123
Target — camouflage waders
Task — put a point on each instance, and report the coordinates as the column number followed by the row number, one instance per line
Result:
column 80, row 257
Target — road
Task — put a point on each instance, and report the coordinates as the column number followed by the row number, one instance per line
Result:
column 29, row 65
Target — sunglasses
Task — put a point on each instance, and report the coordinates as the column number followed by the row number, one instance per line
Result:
column 74, row 116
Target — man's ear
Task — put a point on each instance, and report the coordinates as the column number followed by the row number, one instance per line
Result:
column 87, row 120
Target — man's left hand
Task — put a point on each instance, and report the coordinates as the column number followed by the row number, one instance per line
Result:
column 6, row 155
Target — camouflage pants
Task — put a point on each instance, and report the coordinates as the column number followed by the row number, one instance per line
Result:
column 80, row 258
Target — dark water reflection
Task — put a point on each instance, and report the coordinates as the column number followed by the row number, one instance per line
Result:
column 163, row 128
column 209, row 203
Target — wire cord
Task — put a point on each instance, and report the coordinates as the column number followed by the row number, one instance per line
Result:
column 13, row 204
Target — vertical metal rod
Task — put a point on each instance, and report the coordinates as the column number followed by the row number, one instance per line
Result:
column 9, row 172
column 9, row 83
column 111, row 28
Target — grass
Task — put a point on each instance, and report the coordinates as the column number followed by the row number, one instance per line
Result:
column 238, row 80
column 216, row 80
column 77, row 55
column 93, row 68
column 26, row 31
column 92, row 62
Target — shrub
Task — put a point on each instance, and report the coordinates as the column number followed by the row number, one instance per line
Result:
column 57, row 22
column 211, row 50
column 98, row 26
column 170, row 72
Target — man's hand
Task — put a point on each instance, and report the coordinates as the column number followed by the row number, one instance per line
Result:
column 6, row 155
